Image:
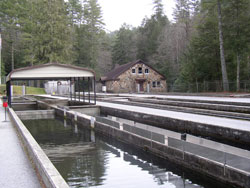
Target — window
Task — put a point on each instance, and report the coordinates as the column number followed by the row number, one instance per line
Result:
column 154, row 84
column 146, row 71
column 133, row 71
column 158, row 84
column 140, row 70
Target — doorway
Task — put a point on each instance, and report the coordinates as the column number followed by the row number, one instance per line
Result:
column 140, row 86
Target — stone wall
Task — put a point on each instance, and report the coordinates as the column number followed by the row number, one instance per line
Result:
column 127, row 81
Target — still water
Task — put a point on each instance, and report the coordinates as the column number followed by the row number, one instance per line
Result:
column 87, row 159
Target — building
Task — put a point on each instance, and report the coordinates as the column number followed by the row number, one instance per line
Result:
column 134, row 77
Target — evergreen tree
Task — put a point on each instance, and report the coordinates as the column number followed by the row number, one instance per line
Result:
column 149, row 33
column 10, row 13
column 202, row 59
column 47, row 34
column 75, row 11
column 236, row 17
column 89, row 34
column 124, row 48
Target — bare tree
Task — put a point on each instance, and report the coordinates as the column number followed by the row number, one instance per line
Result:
column 222, row 56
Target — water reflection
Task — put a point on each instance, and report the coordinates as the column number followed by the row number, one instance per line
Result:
column 86, row 159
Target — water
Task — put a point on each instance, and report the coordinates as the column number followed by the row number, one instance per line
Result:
column 87, row 159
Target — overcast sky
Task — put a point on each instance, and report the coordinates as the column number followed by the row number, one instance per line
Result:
column 132, row 12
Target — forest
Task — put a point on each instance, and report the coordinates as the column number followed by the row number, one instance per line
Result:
column 207, row 41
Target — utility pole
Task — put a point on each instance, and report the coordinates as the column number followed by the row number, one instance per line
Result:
column 0, row 58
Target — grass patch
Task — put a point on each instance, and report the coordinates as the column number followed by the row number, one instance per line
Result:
column 18, row 90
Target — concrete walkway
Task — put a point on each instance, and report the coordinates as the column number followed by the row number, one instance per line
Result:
column 210, row 120
column 15, row 167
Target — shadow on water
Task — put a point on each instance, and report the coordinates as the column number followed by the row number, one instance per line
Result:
column 88, row 159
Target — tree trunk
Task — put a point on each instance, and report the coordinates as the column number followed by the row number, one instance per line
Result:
column 222, row 56
column 248, row 66
column 12, row 56
column 238, row 73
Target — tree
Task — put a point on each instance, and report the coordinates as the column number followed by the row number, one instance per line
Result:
column 222, row 55
column 237, row 15
column 89, row 34
column 75, row 11
column 46, row 34
column 183, row 13
column 10, row 14
column 149, row 32
column 124, row 47
column 201, row 61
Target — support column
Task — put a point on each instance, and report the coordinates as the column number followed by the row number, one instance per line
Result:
column 8, row 86
column 23, row 89
column 11, row 91
column 70, row 89
column 148, row 88
column 89, row 88
column 79, row 89
column 94, row 91
column 75, row 88
column 83, row 94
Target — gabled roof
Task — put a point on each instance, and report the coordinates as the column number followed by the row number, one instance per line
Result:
column 115, row 73
column 50, row 71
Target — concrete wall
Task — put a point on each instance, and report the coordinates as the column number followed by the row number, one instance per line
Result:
column 24, row 106
column 36, row 114
column 195, row 128
column 61, row 102
column 88, row 110
column 201, row 165
column 43, row 166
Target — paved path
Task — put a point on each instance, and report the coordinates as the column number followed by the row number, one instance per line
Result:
column 243, row 125
column 15, row 168
column 210, row 120
column 198, row 98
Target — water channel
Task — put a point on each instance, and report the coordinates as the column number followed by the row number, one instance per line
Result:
column 88, row 159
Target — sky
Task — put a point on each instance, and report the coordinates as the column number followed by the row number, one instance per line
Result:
column 131, row 12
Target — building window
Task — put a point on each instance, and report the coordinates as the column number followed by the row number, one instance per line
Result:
column 146, row 71
column 139, row 70
column 133, row 71
column 154, row 84
column 158, row 84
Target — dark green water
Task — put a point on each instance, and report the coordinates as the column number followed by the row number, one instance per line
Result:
column 87, row 159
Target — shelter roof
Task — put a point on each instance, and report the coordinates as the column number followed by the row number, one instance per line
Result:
column 49, row 71
column 116, row 72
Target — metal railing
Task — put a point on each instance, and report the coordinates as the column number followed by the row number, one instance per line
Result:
column 228, row 156
column 206, row 86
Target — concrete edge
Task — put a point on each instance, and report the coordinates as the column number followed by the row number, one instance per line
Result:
column 178, row 125
column 197, row 163
column 49, row 174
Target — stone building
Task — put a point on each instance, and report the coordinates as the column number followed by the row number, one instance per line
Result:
column 134, row 77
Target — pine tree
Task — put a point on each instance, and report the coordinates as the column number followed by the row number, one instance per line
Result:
column 47, row 35
column 10, row 14
column 89, row 34
column 149, row 33
column 236, row 16
column 124, row 48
